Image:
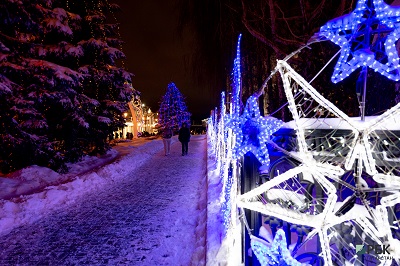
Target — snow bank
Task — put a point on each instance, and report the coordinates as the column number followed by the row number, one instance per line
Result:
column 27, row 180
column 215, row 228
column 224, row 246
column 199, row 254
column 29, row 208
column 35, row 178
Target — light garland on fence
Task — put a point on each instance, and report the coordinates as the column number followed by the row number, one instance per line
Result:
column 211, row 134
column 227, row 195
column 252, row 131
column 237, row 80
column 221, row 133
column 224, row 161
column 346, row 32
column 228, row 170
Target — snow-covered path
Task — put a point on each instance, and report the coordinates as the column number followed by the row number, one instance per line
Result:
column 152, row 216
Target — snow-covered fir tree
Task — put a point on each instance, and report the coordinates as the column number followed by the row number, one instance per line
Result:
column 173, row 110
column 61, row 90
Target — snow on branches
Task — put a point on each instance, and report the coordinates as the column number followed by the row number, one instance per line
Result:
column 62, row 89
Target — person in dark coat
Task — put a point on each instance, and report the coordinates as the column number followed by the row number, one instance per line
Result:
column 166, row 136
column 184, row 138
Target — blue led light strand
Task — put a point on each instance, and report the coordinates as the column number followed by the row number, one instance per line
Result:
column 237, row 80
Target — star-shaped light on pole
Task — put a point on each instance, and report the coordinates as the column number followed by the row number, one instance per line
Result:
column 367, row 37
column 252, row 131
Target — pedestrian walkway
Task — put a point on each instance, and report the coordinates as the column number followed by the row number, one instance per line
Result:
column 148, row 217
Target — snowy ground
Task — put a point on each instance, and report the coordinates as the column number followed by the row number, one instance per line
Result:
column 35, row 178
column 145, row 209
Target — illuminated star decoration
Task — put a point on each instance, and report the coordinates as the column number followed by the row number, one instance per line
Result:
column 252, row 131
column 275, row 253
column 325, row 173
column 361, row 151
column 367, row 37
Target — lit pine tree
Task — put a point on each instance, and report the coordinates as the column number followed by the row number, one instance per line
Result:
column 61, row 90
column 173, row 110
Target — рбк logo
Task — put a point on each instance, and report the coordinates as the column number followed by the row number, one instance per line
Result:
column 377, row 250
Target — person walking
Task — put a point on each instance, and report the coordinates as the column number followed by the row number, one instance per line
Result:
column 166, row 136
column 184, row 138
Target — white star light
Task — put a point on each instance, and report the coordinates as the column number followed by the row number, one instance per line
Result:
column 360, row 147
column 359, row 150
column 359, row 43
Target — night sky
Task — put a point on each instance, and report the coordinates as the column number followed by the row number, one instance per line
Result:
column 157, row 54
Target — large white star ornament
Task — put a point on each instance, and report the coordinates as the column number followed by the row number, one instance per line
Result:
column 360, row 150
column 357, row 35
column 268, row 197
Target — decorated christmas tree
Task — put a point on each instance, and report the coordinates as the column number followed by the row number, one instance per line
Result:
column 61, row 90
column 173, row 111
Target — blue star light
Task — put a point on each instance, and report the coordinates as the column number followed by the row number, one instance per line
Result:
column 275, row 253
column 368, row 38
column 253, row 131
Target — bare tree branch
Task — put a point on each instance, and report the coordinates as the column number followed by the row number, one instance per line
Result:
column 272, row 16
column 317, row 11
column 258, row 35
column 303, row 13
column 289, row 41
